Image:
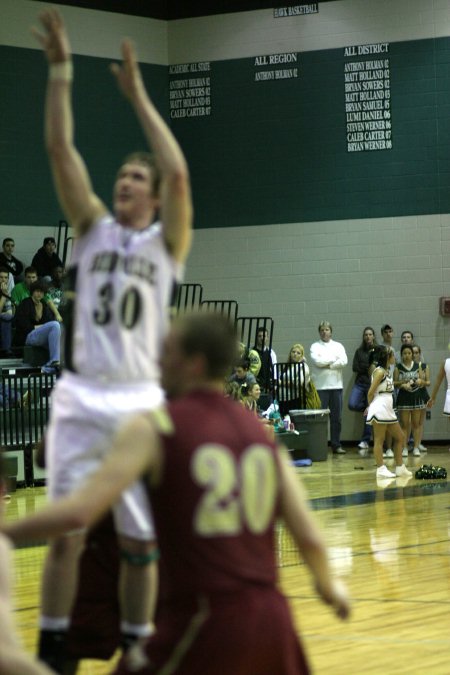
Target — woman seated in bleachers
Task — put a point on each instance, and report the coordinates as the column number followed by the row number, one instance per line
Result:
column 35, row 326
column 233, row 390
column 295, row 388
column 252, row 395
column 292, row 379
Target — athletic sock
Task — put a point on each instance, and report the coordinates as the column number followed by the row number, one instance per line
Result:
column 131, row 633
column 52, row 648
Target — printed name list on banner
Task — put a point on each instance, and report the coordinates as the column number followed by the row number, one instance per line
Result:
column 368, row 98
column 190, row 90
column 276, row 67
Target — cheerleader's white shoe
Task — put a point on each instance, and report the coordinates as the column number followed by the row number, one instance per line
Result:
column 402, row 471
column 383, row 472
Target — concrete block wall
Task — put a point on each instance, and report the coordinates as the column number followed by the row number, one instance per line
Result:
column 352, row 273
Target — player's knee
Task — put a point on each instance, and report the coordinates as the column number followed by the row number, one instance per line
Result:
column 138, row 553
column 67, row 545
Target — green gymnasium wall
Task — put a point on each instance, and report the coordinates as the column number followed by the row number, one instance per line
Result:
column 105, row 131
column 267, row 151
column 276, row 151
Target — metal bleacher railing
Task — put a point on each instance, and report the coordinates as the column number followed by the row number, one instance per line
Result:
column 247, row 328
column 227, row 307
column 25, row 402
column 289, row 386
column 64, row 240
column 187, row 297
column 24, row 410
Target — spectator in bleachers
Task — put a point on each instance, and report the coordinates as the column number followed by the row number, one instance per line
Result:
column 251, row 397
column 22, row 291
column 358, row 395
column 6, row 313
column 267, row 356
column 55, row 291
column 8, row 260
column 233, row 390
column 35, row 326
column 253, row 357
column 291, row 379
column 242, row 374
column 46, row 259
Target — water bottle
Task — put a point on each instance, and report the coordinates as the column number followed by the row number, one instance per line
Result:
column 276, row 417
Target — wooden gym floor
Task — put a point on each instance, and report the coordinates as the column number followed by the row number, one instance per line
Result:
column 391, row 545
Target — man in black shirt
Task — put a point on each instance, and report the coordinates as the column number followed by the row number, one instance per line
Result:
column 7, row 259
column 268, row 360
column 46, row 259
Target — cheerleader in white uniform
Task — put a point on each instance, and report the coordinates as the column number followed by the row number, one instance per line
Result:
column 380, row 413
column 444, row 371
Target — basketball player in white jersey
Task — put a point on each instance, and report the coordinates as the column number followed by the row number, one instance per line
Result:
column 120, row 280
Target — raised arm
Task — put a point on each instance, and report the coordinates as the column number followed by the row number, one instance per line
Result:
column 175, row 192
column 309, row 541
column 84, row 507
column 73, row 186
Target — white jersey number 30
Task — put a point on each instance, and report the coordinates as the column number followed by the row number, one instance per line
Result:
column 129, row 306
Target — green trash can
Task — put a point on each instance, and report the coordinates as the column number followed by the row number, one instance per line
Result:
column 315, row 423
column 11, row 466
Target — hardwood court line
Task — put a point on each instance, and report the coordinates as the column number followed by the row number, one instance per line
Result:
column 361, row 498
column 366, row 554
column 404, row 547
column 30, row 608
column 316, row 637
column 360, row 600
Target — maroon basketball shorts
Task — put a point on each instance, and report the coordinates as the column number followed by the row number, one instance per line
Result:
column 241, row 633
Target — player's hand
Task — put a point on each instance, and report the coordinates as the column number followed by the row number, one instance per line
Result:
column 336, row 595
column 430, row 403
column 54, row 41
column 128, row 74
